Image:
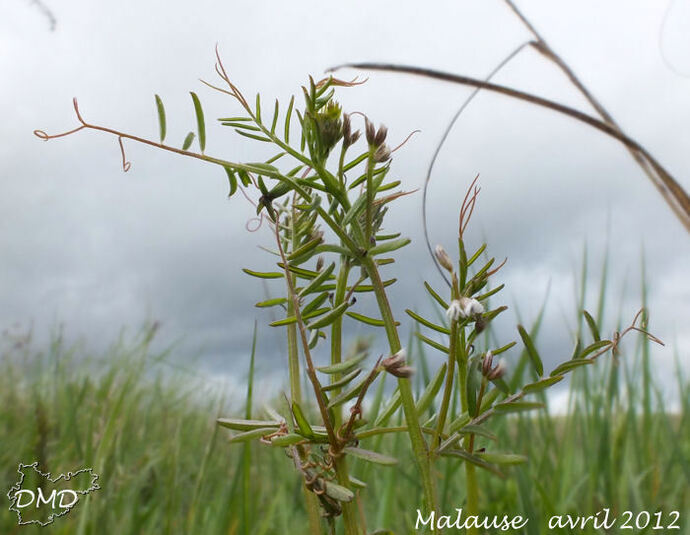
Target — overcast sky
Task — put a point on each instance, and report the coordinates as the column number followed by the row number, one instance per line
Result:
column 85, row 245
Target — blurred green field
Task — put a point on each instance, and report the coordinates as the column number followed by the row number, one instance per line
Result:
column 165, row 467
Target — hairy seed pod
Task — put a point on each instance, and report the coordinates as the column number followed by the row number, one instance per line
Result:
column 346, row 127
column 380, row 136
column 382, row 154
column 497, row 372
column 369, row 130
column 487, row 363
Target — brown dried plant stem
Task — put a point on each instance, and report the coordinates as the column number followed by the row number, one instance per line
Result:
column 672, row 192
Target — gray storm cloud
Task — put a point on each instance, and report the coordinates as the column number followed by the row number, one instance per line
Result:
column 85, row 245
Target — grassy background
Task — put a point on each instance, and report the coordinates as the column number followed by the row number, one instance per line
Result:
column 166, row 468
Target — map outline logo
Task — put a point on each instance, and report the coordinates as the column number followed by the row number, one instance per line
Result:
column 15, row 491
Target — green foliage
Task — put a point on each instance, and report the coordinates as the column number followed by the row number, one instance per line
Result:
column 328, row 207
column 166, row 467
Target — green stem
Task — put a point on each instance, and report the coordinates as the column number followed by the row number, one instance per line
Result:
column 450, row 372
column 350, row 520
column 472, row 489
column 370, row 194
column 461, row 357
column 337, row 326
column 310, row 500
column 472, row 506
column 419, row 447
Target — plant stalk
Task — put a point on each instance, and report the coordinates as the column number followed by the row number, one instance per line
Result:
column 349, row 508
column 311, row 502
column 419, row 446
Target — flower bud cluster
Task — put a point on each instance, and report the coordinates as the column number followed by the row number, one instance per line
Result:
column 490, row 371
column 376, row 140
column 349, row 137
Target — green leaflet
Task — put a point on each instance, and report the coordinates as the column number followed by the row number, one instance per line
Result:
column 288, row 117
column 329, row 317
column 502, row 458
column 357, row 483
column 287, row 440
column 188, row 141
column 274, row 123
column 436, row 297
column 252, row 136
column 570, row 365
column 517, row 406
column 471, row 458
column 486, row 295
column 592, row 325
column 315, row 303
column 293, row 319
column 343, row 367
column 366, row 319
column 388, row 246
column 271, row 302
column 476, row 255
column 427, row 323
column 389, row 410
column 542, row 384
column 263, row 275
column 371, row 456
column 251, row 435
column 342, row 382
column 302, row 423
column 200, row 123
column 596, row 346
column 305, row 252
column 431, row 390
column 384, row 237
column 347, row 394
column 432, row 343
column 338, row 492
column 161, row 118
column 503, row 349
column 246, row 425
column 323, row 275
column 531, row 351
column 232, row 178
column 474, row 381
column 477, row 430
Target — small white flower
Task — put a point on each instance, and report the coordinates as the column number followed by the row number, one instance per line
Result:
column 464, row 308
column 454, row 310
column 471, row 307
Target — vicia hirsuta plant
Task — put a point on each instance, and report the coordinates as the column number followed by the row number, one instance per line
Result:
column 325, row 193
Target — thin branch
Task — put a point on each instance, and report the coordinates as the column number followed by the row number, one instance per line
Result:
column 311, row 372
column 446, row 132
column 674, row 194
column 655, row 175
